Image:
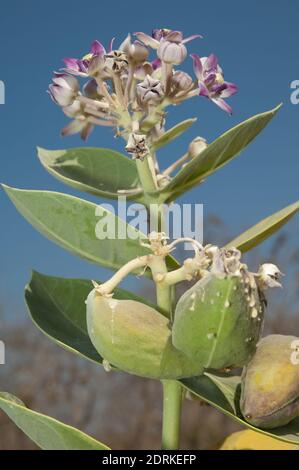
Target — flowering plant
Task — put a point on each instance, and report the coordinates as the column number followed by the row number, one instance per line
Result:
column 199, row 342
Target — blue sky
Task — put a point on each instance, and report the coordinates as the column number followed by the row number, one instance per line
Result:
column 257, row 45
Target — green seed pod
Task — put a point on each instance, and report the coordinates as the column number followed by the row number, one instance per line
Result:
column 270, row 383
column 136, row 338
column 219, row 320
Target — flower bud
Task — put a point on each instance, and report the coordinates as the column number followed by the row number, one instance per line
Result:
column 181, row 80
column 90, row 89
column 150, row 90
column 75, row 110
column 143, row 70
column 136, row 51
column 270, row 383
column 197, row 146
column 172, row 52
column 135, row 338
column 64, row 89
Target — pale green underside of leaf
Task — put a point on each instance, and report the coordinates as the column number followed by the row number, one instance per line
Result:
column 57, row 307
column 264, row 229
column 97, row 171
column 71, row 223
column 46, row 432
column 217, row 154
column 172, row 134
column 223, row 393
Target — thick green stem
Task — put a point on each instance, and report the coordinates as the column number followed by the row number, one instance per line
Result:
column 163, row 291
column 172, row 391
column 146, row 175
column 172, row 404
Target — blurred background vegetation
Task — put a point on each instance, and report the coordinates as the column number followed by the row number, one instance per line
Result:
column 124, row 411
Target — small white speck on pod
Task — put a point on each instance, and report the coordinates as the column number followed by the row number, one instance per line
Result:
column 218, row 294
column 254, row 312
column 210, row 335
column 227, row 304
column 106, row 365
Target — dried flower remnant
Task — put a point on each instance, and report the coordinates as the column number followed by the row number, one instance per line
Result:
column 137, row 146
column 269, row 276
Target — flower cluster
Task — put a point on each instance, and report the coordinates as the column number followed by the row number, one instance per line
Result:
column 129, row 92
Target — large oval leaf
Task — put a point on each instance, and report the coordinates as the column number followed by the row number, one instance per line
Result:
column 223, row 394
column 172, row 133
column 57, row 307
column 264, row 229
column 217, row 154
column 98, row 171
column 71, row 223
column 46, row 432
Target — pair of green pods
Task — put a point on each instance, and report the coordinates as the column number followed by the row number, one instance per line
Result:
column 216, row 325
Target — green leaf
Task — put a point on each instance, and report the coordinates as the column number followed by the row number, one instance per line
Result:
column 220, row 396
column 57, row 307
column 264, row 229
column 71, row 223
column 101, row 172
column 46, row 432
column 218, row 153
column 172, row 133
column 228, row 385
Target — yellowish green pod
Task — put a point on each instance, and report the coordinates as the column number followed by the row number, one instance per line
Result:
column 270, row 383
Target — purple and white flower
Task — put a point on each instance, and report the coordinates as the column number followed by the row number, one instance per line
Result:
column 64, row 89
column 172, row 49
column 89, row 64
column 170, row 44
column 160, row 35
column 211, row 82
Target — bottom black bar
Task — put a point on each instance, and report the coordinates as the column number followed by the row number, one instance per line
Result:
column 136, row 459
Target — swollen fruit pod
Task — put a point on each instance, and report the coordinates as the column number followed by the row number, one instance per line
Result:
column 219, row 320
column 270, row 383
column 136, row 338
